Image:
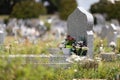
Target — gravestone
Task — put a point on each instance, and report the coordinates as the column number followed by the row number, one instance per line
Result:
column 58, row 27
column 80, row 26
column 14, row 30
column 109, row 32
column 104, row 32
column 2, row 33
column 115, row 22
column 99, row 19
column 2, row 36
column 112, row 34
column 79, row 22
column 90, row 40
column 99, row 23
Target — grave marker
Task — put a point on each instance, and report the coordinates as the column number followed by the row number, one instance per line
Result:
column 109, row 32
column 79, row 22
column 112, row 34
column 90, row 40
column 2, row 36
column 80, row 26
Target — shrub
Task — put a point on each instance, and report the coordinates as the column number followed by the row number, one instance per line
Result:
column 15, row 70
column 106, row 7
column 66, row 7
column 27, row 9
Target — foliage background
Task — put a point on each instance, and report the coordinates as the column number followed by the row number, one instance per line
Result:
column 28, row 9
column 108, row 9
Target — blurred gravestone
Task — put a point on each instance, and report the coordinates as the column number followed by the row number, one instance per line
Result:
column 2, row 36
column 80, row 25
column 2, row 33
column 115, row 22
column 58, row 27
column 99, row 23
column 112, row 34
column 109, row 32
column 90, row 40
column 99, row 19
column 104, row 32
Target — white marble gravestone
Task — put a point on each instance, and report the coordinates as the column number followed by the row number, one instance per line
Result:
column 109, row 32
column 104, row 32
column 90, row 39
column 78, row 23
column 2, row 33
column 2, row 36
column 112, row 34
column 115, row 22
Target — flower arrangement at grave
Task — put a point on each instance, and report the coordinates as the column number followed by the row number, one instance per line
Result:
column 81, row 49
column 78, row 48
column 69, row 41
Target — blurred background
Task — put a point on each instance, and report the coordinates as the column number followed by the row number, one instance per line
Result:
column 38, row 28
column 33, row 19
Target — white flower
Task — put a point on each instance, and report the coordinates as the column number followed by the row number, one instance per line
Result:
column 112, row 44
column 101, row 49
column 7, row 47
column 69, row 60
column 74, row 79
column 98, row 59
column 77, row 59
column 75, row 70
column 84, row 48
column 16, row 42
column 72, row 58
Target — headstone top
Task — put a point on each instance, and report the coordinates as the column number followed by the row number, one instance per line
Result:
column 115, row 22
column 100, row 20
column 88, row 15
column 114, row 27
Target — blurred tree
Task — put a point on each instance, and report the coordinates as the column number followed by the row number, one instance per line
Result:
column 114, row 11
column 7, row 5
column 51, row 6
column 55, row 2
column 105, row 7
column 1, row 2
column 66, row 7
column 28, row 9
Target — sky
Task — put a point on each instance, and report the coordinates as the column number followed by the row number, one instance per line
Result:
column 86, row 3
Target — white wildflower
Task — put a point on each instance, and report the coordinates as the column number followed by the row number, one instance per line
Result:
column 112, row 44
column 74, row 79
column 75, row 70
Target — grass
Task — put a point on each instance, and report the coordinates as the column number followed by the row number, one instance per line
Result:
column 11, row 46
column 15, row 70
column 4, row 17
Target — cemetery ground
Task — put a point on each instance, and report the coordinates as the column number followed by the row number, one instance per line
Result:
column 13, row 46
column 16, row 69
column 41, row 59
